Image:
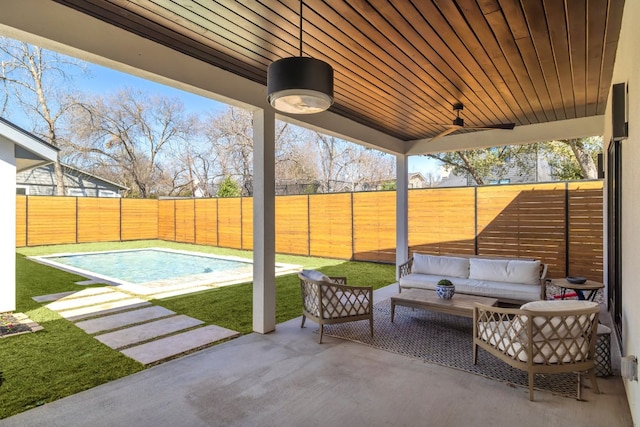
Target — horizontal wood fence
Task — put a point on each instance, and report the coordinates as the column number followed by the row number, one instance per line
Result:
column 559, row 223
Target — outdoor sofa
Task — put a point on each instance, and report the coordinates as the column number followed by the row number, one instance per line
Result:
column 509, row 280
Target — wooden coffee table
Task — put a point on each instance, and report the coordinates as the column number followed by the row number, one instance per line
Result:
column 459, row 305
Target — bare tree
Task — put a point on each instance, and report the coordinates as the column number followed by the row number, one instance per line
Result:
column 230, row 137
column 347, row 166
column 129, row 132
column 39, row 83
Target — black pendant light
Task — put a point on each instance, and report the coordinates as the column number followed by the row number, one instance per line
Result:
column 300, row 85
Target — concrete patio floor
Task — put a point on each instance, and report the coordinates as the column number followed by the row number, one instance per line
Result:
column 287, row 379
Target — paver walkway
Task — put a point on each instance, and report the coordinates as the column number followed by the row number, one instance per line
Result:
column 144, row 332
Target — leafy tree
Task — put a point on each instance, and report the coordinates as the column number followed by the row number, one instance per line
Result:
column 569, row 159
column 573, row 158
column 229, row 188
column 490, row 163
column 388, row 186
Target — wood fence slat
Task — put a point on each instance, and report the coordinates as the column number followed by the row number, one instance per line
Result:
column 230, row 223
column 330, row 225
column 525, row 220
column 98, row 219
column 51, row 220
column 139, row 219
column 206, row 222
column 247, row 223
column 21, row 221
column 166, row 219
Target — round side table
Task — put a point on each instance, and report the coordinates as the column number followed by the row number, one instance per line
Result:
column 590, row 285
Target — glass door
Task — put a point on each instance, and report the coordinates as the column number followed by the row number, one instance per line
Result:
column 614, row 230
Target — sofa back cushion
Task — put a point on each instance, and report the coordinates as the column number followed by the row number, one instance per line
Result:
column 316, row 276
column 505, row 270
column 552, row 321
column 445, row 266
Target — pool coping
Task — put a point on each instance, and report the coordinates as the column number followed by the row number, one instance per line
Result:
column 163, row 288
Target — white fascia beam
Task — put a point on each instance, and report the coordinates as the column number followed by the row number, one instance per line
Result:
column 65, row 30
column 343, row 128
column 561, row 129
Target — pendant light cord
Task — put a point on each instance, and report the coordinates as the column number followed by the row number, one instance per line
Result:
column 301, row 2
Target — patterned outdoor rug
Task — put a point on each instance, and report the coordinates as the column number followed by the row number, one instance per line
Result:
column 445, row 340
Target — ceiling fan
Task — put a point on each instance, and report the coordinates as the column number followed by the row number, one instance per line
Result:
column 458, row 123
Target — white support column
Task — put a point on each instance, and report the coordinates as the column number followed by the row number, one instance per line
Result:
column 402, row 209
column 8, row 221
column 264, row 279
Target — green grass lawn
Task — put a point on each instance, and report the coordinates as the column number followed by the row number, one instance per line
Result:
column 62, row 359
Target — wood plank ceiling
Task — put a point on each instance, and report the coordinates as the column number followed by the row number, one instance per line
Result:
column 400, row 64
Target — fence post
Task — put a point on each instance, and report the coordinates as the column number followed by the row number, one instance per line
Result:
column 120, row 222
column 353, row 239
column 566, row 228
column 308, row 225
column 26, row 219
column 76, row 219
column 475, row 220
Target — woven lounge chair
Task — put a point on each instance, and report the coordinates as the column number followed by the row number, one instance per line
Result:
column 328, row 300
column 540, row 337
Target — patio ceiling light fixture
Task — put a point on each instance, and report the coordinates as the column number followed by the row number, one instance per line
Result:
column 300, row 85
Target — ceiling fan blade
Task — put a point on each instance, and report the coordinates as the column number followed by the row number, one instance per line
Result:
column 446, row 132
column 506, row 126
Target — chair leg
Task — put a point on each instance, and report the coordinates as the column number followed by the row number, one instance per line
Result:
column 531, row 379
column 579, row 386
column 475, row 353
column 371, row 326
column 321, row 331
column 593, row 381
column 303, row 319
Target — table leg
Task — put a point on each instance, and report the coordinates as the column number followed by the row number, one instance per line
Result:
column 393, row 310
column 581, row 294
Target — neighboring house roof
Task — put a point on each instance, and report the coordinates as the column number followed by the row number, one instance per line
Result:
column 115, row 184
column 42, row 180
column 30, row 151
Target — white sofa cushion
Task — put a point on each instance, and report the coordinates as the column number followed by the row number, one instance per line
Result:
column 445, row 266
column 316, row 276
column 554, row 327
column 509, row 271
column 483, row 288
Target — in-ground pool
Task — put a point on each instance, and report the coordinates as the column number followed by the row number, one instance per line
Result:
column 154, row 270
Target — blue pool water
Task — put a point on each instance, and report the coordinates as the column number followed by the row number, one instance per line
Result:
column 146, row 265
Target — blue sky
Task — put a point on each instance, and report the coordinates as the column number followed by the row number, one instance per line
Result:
column 104, row 80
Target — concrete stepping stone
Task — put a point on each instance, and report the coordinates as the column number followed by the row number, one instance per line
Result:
column 80, row 294
column 147, row 331
column 119, row 320
column 103, row 309
column 164, row 348
column 76, row 302
column 52, row 297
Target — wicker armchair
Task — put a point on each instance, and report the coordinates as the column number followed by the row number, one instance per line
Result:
column 540, row 337
column 330, row 300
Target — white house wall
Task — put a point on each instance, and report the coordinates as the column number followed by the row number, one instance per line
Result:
column 627, row 70
column 8, row 221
